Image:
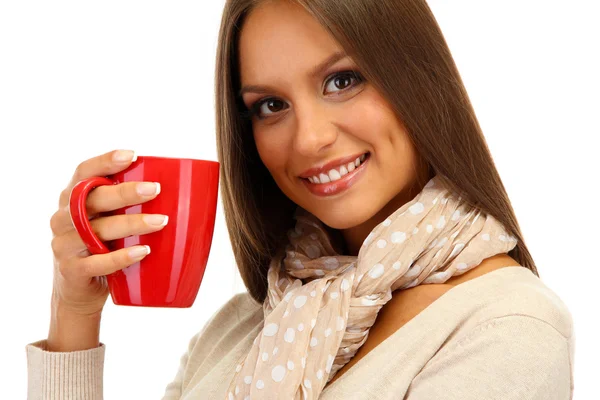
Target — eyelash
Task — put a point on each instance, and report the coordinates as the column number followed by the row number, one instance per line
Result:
column 253, row 110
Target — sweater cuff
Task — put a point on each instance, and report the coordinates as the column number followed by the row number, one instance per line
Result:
column 64, row 375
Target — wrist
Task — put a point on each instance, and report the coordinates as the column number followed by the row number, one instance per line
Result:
column 70, row 331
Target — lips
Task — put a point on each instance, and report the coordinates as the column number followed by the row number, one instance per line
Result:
column 334, row 170
column 338, row 185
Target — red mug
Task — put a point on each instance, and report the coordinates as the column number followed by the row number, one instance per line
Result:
column 171, row 274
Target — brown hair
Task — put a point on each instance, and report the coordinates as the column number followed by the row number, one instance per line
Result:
column 400, row 49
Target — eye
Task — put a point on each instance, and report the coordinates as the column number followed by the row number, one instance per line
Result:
column 342, row 81
column 270, row 106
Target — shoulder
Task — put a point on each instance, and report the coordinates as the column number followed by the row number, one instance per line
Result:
column 517, row 292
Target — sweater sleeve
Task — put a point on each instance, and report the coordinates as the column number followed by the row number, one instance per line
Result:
column 512, row 357
column 73, row 375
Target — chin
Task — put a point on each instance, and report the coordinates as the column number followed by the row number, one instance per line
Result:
column 340, row 218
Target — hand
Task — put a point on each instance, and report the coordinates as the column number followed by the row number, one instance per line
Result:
column 80, row 286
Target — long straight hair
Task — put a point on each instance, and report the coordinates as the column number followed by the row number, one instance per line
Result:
column 400, row 49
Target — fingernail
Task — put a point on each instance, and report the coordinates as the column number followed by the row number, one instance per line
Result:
column 156, row 219
column 139, row 251
column 148, row 188
column 122, row 156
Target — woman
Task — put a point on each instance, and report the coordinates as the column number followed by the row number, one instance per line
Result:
column 379, row 248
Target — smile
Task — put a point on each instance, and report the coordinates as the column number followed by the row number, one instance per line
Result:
column 337, row 179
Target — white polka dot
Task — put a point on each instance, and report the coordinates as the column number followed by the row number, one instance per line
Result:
column 368, row 239
column 438, row 277
column 432, row 244
column 435, row 200
column 340, row 323
column 313, row 342
column 461, row 266
column 346, row 350
column 486, row 237
column 303, row 362
column 247, row 397
column 288, row 296
column 457, row 248
column 330, row 359
column 431, row 183
column 313, row 322
column 313, row 251
column 238, row 368
column 415, row 231
column 277, row 373
column 387, row 222
column 360, row 278
column 376, row 271
column 265, row 356
column 411, row 284
column 275, row 350
column 307, row 383
column 320, row 374
column 334, row 295
column 319, row 272
column 398, row 237
column 290, row 365
column 290, row 333
column 444, row 200
column 442, row 242
column 237, row 389
column 345, row 285
column 299, row 301
column 286, row 313
column 260, row 384
column 313, row 293
column 416, row 208
column 503, row 238
column 396, row 265
column 413, row 271
column 455, row 215
column 331, row 263
column 441, row 222
column 298, row 264
column 231, row 396
column 270, row 329
column 327, row 332
column 300, row 327
column 247, row 379
column 368, row 302
column 429, row 228
column 455, row 234
column 381, row 243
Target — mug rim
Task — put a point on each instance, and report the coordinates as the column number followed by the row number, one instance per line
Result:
column 175, row 158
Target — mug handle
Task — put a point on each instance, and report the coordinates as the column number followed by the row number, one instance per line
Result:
column 79, row 214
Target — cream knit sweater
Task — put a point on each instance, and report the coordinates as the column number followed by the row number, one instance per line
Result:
column 503, row 335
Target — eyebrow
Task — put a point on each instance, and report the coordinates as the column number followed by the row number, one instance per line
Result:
column 317, row 70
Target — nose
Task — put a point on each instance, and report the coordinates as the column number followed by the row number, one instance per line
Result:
column 315, row 130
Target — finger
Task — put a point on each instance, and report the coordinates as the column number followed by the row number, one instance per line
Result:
column 105, row 264
column 109, row 228
column 106, row 164
column 60, row 222
column 110, row 198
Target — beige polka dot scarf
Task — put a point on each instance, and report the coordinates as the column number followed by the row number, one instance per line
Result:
column 320, row 305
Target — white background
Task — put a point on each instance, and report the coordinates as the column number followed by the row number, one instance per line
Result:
column 81, row 78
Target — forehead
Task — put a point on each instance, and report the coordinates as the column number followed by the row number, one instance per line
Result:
column 281, row 36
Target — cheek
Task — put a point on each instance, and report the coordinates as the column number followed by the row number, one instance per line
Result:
column 271, row 150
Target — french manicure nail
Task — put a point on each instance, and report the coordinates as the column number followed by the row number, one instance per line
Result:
column 122, row 156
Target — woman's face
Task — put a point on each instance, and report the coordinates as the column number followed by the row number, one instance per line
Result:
column 331, row 142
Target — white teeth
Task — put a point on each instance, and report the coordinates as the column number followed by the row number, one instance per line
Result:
column 334, row 175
